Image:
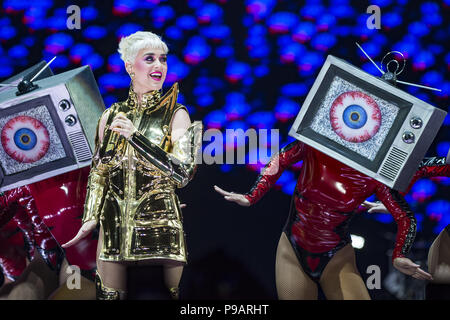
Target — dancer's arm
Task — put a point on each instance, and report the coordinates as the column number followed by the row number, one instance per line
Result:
column 287, row 156
column 406, row 231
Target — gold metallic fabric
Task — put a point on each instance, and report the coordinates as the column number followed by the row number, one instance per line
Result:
column 96, row 187
column 187, row 150
column 181, row 163
column 158, row 157
column 94, row 196
column 174, row 293
column 140, row 213
column 105, row 293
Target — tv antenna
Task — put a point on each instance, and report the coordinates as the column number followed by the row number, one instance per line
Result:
column 27, row 85
column 391, row 75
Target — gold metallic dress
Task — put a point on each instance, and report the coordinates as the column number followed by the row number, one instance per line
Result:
column 131, row 189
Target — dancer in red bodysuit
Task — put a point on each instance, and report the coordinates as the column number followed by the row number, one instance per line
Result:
column 315, row 246
column 16, row 244
column 18, row 207
column 47, row 213
column 21, row 203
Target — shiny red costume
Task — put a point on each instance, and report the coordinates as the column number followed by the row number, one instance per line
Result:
column 19, row 212
column 328, row 193
column 428, row 168
column 431, row 167
column 47, row 213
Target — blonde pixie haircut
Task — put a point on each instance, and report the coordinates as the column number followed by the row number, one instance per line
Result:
column 129, row 46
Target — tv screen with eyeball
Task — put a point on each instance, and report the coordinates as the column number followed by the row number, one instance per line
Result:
column 29, row 136
column 367, row 123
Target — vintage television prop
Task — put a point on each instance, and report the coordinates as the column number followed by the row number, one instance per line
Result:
column 447, row 160
column 367, row 123
column 49, row 130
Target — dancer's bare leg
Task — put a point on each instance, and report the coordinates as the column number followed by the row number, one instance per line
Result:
column 341, row 280
column 85, row 292
column 36, row 282
column 172, row 277
column 292, row 282
column 113, row 275
column 439, row 258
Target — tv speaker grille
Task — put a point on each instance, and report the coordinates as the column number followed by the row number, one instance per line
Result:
column 393, row 164
column 80, row 146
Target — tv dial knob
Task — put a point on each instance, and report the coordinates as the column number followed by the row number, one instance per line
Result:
column 64, row 105
column 70, row 120
column 408, row 137
column 416, row 123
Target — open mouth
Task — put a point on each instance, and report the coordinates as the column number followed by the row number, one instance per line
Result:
column 156, row 76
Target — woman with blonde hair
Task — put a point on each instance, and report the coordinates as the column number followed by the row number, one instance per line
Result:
column 146, row 148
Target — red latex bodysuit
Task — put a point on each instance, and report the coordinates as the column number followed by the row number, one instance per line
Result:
column 328, row 193
column 19, row 212
column 48, row 213
column 428, row 168
column 60, row 204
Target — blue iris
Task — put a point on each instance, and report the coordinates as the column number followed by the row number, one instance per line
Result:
column 25, row 139
column 355, row 116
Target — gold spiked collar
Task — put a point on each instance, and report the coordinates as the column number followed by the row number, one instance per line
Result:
column 149, row 100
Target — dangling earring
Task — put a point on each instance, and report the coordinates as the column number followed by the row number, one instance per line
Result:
column 131, row 79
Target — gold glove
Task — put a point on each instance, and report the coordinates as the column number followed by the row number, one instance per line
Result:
column 181, row 163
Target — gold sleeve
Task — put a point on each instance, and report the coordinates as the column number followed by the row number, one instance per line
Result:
column 96, row 187
column 187, row 149
column 95, row 195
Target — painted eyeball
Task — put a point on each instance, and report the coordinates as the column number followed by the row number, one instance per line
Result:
column 25, row 139
column 355, row 116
